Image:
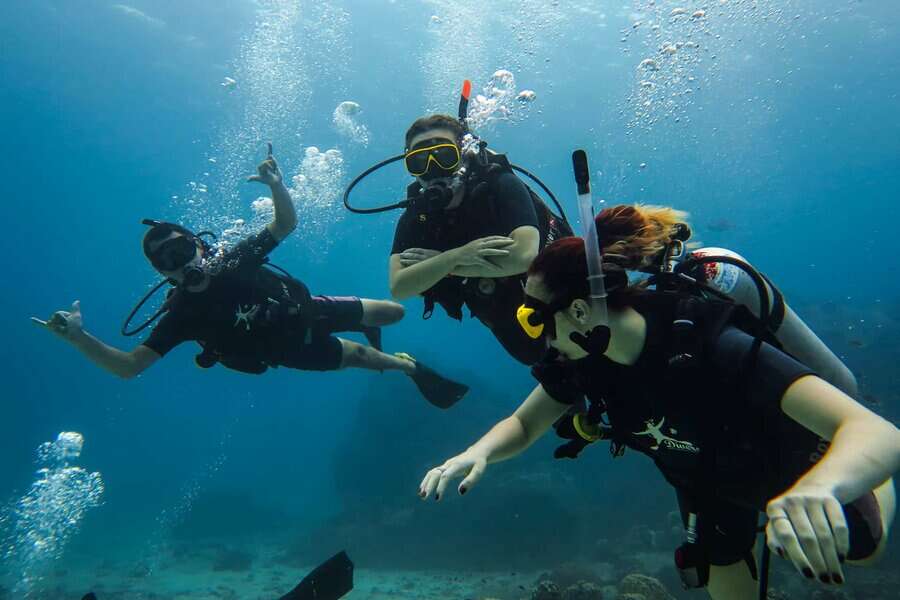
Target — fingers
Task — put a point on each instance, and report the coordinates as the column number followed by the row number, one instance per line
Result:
column 496, row 241
column 255, row 178
column 269, row 144
column 428, row 485
column 437, row 479
column 835, row 513
column 473, row 477
column 822, row 528
column 492, row 252
column 76, row 306
column 37, row 321
column 786, row 543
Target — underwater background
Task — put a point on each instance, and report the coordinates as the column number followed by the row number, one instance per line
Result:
column 772, row 122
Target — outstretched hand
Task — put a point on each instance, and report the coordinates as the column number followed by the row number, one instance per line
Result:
column 468, row 466
column 66, row 324
column 268, row 170
column 808, row 527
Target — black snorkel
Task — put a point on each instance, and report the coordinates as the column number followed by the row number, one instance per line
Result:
column 595, row 341
column 433, row 199
column 191, row 276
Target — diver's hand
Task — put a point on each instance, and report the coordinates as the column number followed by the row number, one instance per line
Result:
column 467, row 465
column 66, row 324
column 807, row 525
column 412, row 256
column 478, row 253
column 269, row 173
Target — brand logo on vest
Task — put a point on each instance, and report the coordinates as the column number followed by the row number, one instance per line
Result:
column 245, row 315
column 655, row 431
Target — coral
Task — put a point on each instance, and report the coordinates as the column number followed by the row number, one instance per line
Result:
column 637, row 587
column 583, row 590
column 546, row 590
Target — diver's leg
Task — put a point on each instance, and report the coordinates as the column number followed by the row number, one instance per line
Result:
column 378, row 313
column 732, row 582
column 366, row 357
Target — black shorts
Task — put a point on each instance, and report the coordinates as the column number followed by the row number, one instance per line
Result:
column 727, row 532
column 319, row 350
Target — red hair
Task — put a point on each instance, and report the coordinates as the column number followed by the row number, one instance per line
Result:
column 632, row 238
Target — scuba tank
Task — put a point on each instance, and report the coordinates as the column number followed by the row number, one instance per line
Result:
column 788, row 328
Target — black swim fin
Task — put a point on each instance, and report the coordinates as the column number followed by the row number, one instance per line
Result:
column 331, row 580
column 437, row 389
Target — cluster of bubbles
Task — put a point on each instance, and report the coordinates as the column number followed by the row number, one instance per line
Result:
column 47, row 516
column 316, row 190
column 682, row 45
column 500, row 101
column 268, row 87
column 346, row 121
column 457, row 50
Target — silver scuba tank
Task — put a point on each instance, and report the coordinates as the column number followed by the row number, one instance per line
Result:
column 795, row 335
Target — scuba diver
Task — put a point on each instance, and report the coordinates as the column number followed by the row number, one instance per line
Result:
column 700, row 385
column 247, row 316
column 469, row 230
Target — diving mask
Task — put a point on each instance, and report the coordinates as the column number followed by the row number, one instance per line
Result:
column 537, row 318
column 174, row 253
column 435, row 157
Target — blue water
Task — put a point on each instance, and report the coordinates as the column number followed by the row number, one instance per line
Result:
column 788, row 151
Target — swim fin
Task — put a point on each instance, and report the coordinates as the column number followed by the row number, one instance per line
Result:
column 437, row 389
column 331, row 580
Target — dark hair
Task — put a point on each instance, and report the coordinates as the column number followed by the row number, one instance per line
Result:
column 160, row 232
column 438, row 121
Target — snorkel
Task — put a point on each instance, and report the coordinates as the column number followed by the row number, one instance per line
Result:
column 472, row 148
column 596, row 341
column 537, row 317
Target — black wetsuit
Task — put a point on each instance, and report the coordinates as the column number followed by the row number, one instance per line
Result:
column 714, row 427
column 505, row 204
column 250, row 318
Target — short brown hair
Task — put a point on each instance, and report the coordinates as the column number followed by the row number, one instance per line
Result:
column 437, row 121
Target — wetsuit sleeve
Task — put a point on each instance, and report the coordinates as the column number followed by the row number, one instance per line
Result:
column 404, row 237
column 251, row 252
column 514, row 205
column 555, row 378
column 167, row 334
column 774, row 373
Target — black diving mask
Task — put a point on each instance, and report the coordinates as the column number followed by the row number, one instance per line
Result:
column 537, row 318
column 174, row 253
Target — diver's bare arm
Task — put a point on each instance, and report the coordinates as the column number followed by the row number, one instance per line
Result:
column 521, row 253
column 123, row 364
column 285, row 220
column 516, row 433
column 406, row 282
column 865, row 449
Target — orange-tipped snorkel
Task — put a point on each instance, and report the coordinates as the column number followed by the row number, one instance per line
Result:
column 463, row 113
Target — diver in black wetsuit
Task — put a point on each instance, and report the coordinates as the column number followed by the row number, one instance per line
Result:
column 469, row 233
column 737, row 426
column 248, row 317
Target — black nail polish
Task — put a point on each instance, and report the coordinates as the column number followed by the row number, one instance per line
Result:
column 837, row 578
column 437, row 497
column 825, row 578
column 462, row 491
column 781, row 552
column 842, row 558
column 807, row 572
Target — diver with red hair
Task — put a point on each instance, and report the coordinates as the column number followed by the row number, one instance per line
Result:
column 726, row 397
